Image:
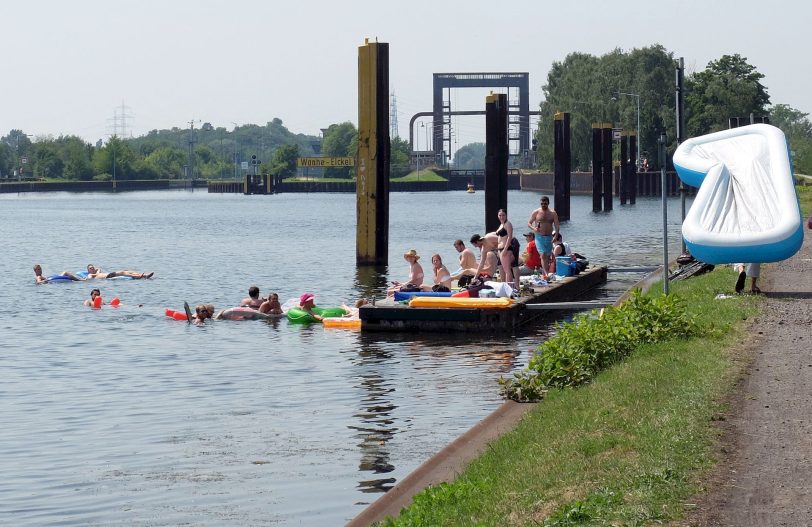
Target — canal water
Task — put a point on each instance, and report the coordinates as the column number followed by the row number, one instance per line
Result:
column 124, row 416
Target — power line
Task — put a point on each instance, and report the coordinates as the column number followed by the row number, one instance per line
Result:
column 393, row 117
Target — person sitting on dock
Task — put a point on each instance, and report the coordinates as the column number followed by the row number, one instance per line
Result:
column 442, row 278
column 468, row 264
column 531, row 261
column 415, row 279
column 95, row 272
column 271, row 306
column 253, row 301
column 488, row 261
column 40, row 279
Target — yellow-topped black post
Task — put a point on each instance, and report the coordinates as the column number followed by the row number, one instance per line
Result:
column 496, row 157
column 372, row 164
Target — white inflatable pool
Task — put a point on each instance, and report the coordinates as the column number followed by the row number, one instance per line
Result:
column 746, row 209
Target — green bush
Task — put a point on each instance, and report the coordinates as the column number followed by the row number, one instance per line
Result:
column 590, row 343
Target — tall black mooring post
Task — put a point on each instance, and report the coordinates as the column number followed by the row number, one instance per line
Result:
column 624, row 168
column 372, row 166
column 606, row 147
column 563, row 165
column 597, row 167
column 633, row 168
column 496, row 158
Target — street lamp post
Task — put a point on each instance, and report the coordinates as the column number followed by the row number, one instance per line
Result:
column 636, row 96
column 417, row 150
column 235, row 149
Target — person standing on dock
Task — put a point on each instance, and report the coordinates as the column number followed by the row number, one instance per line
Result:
column 543, row 221
column 508, row 251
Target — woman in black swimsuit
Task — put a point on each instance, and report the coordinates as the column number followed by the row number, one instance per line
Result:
column 508, row 251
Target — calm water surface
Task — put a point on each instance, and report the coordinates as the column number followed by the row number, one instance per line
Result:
column 125, row 417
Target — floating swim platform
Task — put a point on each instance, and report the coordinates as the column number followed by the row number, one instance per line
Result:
column 400, row 296
column 461, row 302
column 746, row 209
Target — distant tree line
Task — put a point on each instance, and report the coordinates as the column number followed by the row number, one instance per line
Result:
column 205, row 152
column 595, row 89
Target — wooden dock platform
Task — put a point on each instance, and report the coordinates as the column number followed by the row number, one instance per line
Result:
column 395, row 317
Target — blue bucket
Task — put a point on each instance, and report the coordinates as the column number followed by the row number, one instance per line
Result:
column 562, row 266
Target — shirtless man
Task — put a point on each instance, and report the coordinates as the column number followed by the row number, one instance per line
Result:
column 44, row 280
column 468, row 264
column 543, row 221
column 95, row 272
column 487, row 255
column 253, row 301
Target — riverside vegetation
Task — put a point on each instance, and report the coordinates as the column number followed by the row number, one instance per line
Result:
column 625, row 432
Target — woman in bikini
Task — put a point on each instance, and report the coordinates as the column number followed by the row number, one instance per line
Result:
column 415, row 275
column 442, row 278
column 508, row 247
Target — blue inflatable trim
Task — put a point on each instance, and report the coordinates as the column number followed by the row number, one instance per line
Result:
column 83, row 274
column 773, row 252
column 407, row 296
column 58, row 278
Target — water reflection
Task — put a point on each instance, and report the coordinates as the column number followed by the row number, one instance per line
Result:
column 375, row 428
column 370, row 281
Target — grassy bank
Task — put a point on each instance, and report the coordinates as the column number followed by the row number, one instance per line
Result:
column 626, row 449
column 423, row 175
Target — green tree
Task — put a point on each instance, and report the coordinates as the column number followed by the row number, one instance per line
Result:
column 728, row 87
column 165, row 162
column 470, row 157
column 588, row 88
column 796, row 126
column 6, row 160
column 340, row 140
column 283, row 162
column 45, row 161
column 77, row 156
column 399, row 157
column 115, row 158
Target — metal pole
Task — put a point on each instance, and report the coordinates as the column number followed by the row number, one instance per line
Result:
column 235, row 149
column 663, row 159
column 681, row 136
column 417, row 143
column 637, row 161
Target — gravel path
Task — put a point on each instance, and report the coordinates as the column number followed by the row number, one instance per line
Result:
column 764, row 475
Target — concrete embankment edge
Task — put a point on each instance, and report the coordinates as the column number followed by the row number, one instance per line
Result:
column 447, row 464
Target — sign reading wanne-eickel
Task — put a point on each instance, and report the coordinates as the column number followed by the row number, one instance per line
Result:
column 325, row 162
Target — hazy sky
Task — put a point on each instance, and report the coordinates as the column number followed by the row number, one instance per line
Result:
column 67, row 65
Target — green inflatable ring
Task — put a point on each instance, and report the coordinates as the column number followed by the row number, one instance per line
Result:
column 298, row 315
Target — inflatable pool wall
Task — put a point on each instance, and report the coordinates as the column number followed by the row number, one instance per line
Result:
column 746, row 209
